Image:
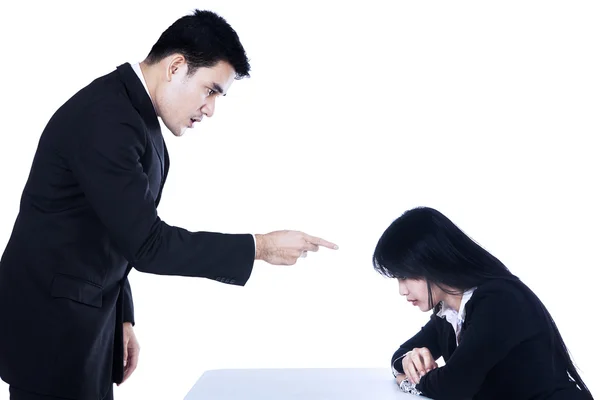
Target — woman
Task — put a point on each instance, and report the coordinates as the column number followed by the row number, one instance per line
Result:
column 497, row 338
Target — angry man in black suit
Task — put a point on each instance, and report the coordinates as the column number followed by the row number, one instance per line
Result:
column 88, row 215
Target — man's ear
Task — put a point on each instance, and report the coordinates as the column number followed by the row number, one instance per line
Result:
column 176, row 65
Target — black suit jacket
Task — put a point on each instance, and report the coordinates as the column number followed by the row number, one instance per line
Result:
column 87, row 216
column 504, row 350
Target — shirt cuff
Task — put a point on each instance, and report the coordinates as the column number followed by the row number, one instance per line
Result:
column 408, row 387
column 394, row 370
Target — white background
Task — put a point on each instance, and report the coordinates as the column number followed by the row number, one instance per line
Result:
column 354, row 113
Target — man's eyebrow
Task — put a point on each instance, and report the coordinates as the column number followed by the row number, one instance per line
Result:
column 217, row 88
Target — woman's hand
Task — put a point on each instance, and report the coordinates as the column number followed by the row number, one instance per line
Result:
column 417, row 363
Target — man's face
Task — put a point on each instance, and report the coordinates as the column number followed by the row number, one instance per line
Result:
column 183, row 100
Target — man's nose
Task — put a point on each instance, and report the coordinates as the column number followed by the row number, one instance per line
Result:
column 209, row 108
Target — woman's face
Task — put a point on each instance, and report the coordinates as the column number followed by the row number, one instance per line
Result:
column 416, row 292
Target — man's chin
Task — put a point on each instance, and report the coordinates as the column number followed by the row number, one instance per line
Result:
column 180, row 132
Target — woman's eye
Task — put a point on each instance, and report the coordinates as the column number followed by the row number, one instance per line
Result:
column 210, row 92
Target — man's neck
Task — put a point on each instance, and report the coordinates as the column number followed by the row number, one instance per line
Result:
column 148, row 81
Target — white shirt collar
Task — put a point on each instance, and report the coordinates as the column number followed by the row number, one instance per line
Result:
column 465, row 299
column 138, row 71
column 456, row 318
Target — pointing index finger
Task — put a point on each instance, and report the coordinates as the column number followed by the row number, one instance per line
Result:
column 321, row 242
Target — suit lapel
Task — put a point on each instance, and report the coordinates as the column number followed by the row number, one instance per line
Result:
column 450, row 336
column 143, row 104
column 165, row 172
column 164, row 176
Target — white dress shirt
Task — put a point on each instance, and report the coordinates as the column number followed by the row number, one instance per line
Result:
column 456, row 318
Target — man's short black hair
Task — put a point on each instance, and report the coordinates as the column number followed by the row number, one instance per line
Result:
column 204, row 39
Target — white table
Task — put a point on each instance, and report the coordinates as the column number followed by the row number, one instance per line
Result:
column 298, row 384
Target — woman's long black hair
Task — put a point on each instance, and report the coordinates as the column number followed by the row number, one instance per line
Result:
column 424, row 244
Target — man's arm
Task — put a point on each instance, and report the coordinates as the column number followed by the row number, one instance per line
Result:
column 105, row 159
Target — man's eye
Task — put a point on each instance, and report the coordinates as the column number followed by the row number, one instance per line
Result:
column 211, row 92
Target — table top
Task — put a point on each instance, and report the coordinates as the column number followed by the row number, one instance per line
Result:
column 298, row 384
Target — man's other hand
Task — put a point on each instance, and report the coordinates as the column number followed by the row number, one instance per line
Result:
column 131, row 350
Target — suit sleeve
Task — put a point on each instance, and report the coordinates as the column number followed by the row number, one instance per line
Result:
column 128, row 303
column 500, row 321
column 105, row 160
column 426, row 337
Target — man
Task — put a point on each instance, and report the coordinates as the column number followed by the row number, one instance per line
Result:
column 88, row 215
